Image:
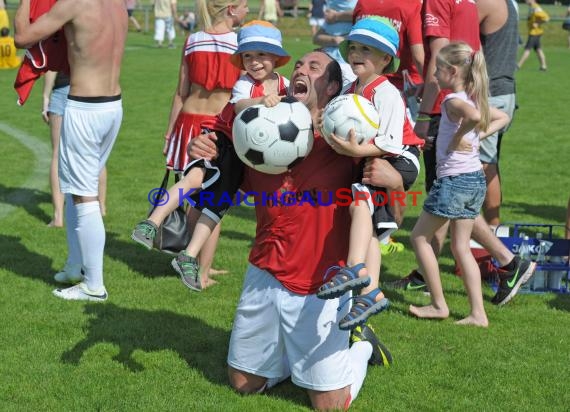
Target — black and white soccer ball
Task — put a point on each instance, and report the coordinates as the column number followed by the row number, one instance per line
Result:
column 350, row 111
column 273, row 139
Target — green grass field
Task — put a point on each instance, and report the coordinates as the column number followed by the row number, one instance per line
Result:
column 154, row 345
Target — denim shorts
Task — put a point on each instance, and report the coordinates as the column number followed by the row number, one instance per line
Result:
column 57, row 100
column 457, row 197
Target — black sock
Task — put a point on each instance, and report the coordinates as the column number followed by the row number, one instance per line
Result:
column 419, row 276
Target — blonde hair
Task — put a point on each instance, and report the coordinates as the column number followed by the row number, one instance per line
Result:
column 210, row 11
column 473, row 69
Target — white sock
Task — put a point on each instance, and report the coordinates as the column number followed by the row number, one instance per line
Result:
column 360, row 353
column 74, row 253
column 91, row 235
column 385, row 240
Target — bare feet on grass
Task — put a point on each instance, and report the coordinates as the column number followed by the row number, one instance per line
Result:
column 472, row 320
column 429, row 312
column 55, row 223
column 216, row 272
column 206, row 283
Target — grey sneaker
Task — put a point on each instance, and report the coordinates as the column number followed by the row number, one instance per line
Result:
column 189, row 270
column 144, row 233
column 70, row 274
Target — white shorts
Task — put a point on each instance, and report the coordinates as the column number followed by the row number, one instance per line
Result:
column 272, row 324
column 314, row 21
column 87, row 136
column 160, row 26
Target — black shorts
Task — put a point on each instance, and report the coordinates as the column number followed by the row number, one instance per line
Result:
column 130, row 12
column 382, row 217
column 223, row 178
column 533, row 42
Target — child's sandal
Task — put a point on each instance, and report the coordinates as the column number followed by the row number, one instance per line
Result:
column 344, row 280
column 363, row 307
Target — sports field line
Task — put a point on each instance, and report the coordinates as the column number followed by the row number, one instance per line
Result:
column 38, row 178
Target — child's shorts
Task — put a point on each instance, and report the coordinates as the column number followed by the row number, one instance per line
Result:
column 457, row 197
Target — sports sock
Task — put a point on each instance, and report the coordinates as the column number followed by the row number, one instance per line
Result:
column 74, row 253
column 360, row 353
column 385, row 240
column 91, row 235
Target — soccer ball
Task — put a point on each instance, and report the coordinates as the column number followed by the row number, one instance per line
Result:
column 350, row 111
column 273, row 139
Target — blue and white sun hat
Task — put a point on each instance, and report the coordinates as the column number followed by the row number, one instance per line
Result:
column 259, row 35
column 376, row 32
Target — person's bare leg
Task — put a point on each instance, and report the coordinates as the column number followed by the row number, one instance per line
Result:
column 245, row 383
column 482, row 234
column 57, row 198
column 460, row 236
column 200, row 236
column 422, row 236
column 360, row 234
column 492, row 203
column 523, row 58
column 192, row 180
column 541, row 58
column 330, row 400
column 102, row 191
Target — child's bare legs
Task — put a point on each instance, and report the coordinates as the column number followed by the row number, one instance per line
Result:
column 373, row 261
column 193, row 179
column 360, row 235
column 102, row 191
column 523, row 58
column 541, row 58
column 206, row 256
column 57, row 197
column 422, row 236
column 202, row 236
column 460, row 236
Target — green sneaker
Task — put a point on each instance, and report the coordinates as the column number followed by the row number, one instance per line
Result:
column 189, row 270
column 144, row 233
column 391, row 247
column 381, row 356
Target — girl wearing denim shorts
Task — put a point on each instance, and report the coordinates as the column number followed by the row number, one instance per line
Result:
column 459, row 190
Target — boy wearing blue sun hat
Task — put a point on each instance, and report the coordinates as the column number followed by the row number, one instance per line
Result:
column 259, row 53
column 371, row 50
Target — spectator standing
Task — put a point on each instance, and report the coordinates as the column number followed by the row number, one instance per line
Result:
column 164, row 15
column 131, row 5
column 270, row 10
column 498, row 24
column 536, row 18
column 334, row 31
column 9, row 58
column 316, row 15
column 4, row 20
column 91, row 123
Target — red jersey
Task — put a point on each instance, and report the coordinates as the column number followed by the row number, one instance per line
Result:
column 405, row 15
column 456, row 20
column 298, row 243
column 208, row 58
column 48, row 54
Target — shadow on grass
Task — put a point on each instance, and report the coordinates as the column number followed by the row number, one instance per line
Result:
column 540, row 211
column 561, row 302
column 28, row 199
column 202, row 346
column 149, row 263
column 19, row 259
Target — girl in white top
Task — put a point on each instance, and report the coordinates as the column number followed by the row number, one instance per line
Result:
column 458, row 193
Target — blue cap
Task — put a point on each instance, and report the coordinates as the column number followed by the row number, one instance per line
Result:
column 378, row 33
column 259, row 35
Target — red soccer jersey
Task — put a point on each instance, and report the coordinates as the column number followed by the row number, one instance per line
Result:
column 298, row 243
column 456, row 20
column 405, row 15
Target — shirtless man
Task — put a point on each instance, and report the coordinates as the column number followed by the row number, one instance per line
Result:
column 95, row 31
